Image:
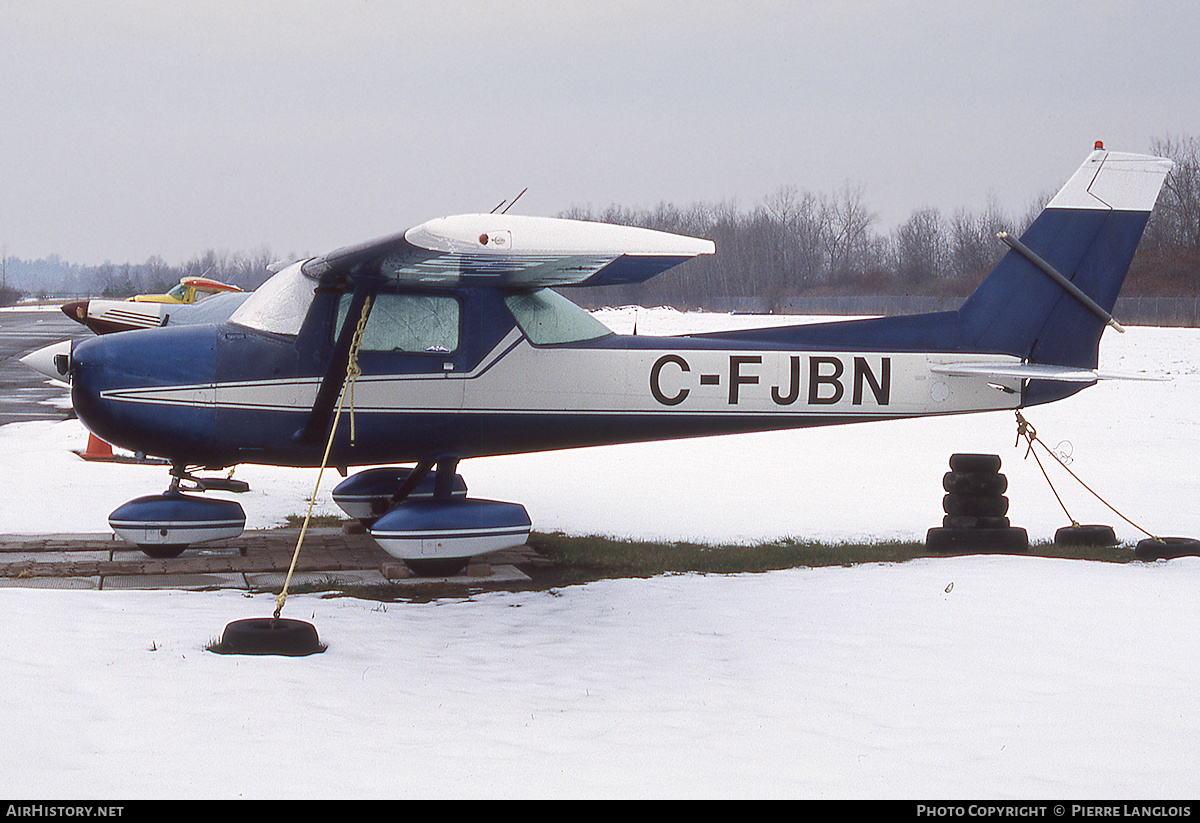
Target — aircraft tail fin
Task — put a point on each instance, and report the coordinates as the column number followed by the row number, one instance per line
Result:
column 1045, row 303
column 1050, row 297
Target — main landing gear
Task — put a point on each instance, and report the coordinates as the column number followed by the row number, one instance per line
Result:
column 420, row 515
column 423, row 516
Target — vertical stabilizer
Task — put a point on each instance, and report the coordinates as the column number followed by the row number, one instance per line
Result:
column 1088, row 233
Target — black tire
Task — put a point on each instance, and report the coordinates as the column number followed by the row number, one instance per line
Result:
column 160, row 552
column 988, row 463
column 1165, row 548
column 1085, row 536
column 977, row 541
column 963, row 521
column 973, row 506
column 437, row 566
column 982, row 484
column 268, row 635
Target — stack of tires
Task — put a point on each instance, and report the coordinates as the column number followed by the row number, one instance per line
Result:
column 976, row 508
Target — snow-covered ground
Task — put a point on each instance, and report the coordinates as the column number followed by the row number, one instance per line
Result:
column 997, row 677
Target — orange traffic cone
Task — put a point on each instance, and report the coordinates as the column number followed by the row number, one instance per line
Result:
column 97, row 449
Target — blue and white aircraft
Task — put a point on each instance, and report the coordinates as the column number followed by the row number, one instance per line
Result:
column 467, row 350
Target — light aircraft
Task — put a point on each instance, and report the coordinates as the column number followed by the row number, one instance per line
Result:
column 144, row 311
column 467, row 350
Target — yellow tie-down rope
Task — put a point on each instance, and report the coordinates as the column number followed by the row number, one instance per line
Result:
column 352, row 373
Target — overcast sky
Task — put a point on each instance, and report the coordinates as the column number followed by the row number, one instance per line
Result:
column 132, row 129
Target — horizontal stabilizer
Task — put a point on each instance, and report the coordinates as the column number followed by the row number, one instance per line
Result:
column 1034, row 371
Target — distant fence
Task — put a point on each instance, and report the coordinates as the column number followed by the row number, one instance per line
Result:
column 1129, row 311
column 1158, row 311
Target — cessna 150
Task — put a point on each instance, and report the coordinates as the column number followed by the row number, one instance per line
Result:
column 464, row 349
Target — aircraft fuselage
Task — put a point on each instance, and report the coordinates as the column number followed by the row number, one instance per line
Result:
column 466, row 351
column 226, row 394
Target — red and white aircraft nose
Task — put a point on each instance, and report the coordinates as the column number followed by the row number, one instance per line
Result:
column 77, row 310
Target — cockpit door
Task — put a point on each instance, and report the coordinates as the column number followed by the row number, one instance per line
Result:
column 411, row 354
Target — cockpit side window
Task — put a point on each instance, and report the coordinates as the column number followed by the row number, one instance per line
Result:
column 278, row 305
column 547, row 317
column 412, row 323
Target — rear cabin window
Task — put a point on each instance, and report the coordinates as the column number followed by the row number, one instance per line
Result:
column 547, row 317
column 412, row 323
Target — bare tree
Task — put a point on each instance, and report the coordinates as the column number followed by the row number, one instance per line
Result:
column 1176, row 219
column 974, row 246
column 847, row 223
column 921, row 248
column 796, row 241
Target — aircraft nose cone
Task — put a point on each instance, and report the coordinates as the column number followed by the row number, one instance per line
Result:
column 54, row 360
column 76, row 310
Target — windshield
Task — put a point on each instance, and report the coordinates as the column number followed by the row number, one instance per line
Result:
column 280, row 304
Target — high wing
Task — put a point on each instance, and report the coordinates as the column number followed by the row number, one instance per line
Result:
column 501, row 251
column 514, row 251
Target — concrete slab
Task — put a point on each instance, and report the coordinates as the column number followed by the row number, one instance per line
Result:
column 273, row 581
column 501, row 574
column 61, row 537
column 49, row 582
column 232, row 580
column 257, row 561
column 55, row 556
column 474, row 576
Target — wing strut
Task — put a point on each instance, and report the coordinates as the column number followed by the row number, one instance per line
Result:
column 335, row 373
column 443, row 478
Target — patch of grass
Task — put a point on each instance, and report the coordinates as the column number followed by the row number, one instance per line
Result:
column 594, row 556
column 567, row 560
column 611, row 557
column 323, row 583
column 1120, row 553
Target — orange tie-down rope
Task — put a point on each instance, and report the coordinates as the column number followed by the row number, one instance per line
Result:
column 1024, row 429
